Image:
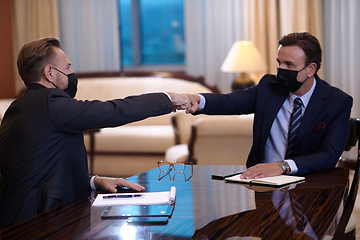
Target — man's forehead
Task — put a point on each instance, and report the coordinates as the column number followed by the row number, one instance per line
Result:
column 291, row 53
column 61, row 58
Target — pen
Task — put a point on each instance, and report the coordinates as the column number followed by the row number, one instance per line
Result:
column 123, row 196
column 232, row 174
column 222, row 177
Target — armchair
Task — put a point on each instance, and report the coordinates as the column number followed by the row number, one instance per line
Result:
column 347, row 225
column 216, row 140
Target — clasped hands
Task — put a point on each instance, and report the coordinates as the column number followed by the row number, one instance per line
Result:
column 183, row 101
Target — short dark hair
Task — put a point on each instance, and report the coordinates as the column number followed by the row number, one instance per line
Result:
column 33, row 56
column 308, row 43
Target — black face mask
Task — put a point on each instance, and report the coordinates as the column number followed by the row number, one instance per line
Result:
column 72, row 83
column 287, row 79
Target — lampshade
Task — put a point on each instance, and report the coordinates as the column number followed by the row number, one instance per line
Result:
column 243, row 57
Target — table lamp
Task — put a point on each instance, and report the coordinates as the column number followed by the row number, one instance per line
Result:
column 244, row 58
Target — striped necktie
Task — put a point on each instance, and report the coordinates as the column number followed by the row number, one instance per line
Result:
column 295, row 121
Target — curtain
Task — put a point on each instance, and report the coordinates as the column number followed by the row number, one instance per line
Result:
column 342, row 51
column 341, row 48
column 212, row 26
column 90, row 34
column 33, row 19
column 261, row 27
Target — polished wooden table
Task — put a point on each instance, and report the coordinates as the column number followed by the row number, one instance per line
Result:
column 205, row 209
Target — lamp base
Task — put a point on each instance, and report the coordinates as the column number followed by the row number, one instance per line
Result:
column 241, row 82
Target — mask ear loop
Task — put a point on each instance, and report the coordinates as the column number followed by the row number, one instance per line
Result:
column 298, row 71
column 60, row 72
column 51, row 75
column 303, row 69
column 65, row 73
column 54, row 84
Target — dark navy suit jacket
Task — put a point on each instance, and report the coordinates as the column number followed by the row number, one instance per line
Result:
column 323, row 132
column 43, row 160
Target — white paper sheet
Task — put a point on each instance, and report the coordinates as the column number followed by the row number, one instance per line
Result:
column 147, row 198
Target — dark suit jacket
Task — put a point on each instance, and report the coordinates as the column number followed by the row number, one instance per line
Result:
column 43, row 159
column 323, row 132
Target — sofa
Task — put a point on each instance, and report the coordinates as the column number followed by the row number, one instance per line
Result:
column 4, row 104
column 136, row 147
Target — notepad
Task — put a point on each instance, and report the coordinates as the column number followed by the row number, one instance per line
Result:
column 139, row 198
column 272, row 181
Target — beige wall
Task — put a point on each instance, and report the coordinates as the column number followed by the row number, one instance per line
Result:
column 7, row 75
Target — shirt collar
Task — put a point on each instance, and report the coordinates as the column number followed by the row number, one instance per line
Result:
column 304, row 98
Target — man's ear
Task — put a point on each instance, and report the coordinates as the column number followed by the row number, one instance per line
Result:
column 312, row 69
column 48, row 73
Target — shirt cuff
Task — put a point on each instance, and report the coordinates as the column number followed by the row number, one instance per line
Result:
column 202, row 102
column 168, row 95
column 293, row 167
column 92, row 185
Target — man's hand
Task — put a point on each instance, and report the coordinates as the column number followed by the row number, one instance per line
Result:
column 193, row 103
column 110, row 184
column 188, row 102
column 180, row 101
column 262, row 170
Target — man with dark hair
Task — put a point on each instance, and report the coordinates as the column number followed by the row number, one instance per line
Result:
column 308, row 43
column 301, row 123
column 43, row 160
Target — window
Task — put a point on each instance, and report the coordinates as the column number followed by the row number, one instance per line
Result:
column 152, row 32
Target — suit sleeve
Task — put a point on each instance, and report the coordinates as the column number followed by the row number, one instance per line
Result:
column 73, row 115
column 234, row 103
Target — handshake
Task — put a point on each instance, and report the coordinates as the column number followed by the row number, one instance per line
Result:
column 187, row 102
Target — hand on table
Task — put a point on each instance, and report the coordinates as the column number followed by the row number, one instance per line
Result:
column 110, row 184
column 262, row 170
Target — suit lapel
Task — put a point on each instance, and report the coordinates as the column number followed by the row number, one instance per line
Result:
column 316, row 103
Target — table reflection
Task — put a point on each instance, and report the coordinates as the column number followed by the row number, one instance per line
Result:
column 273, row 207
